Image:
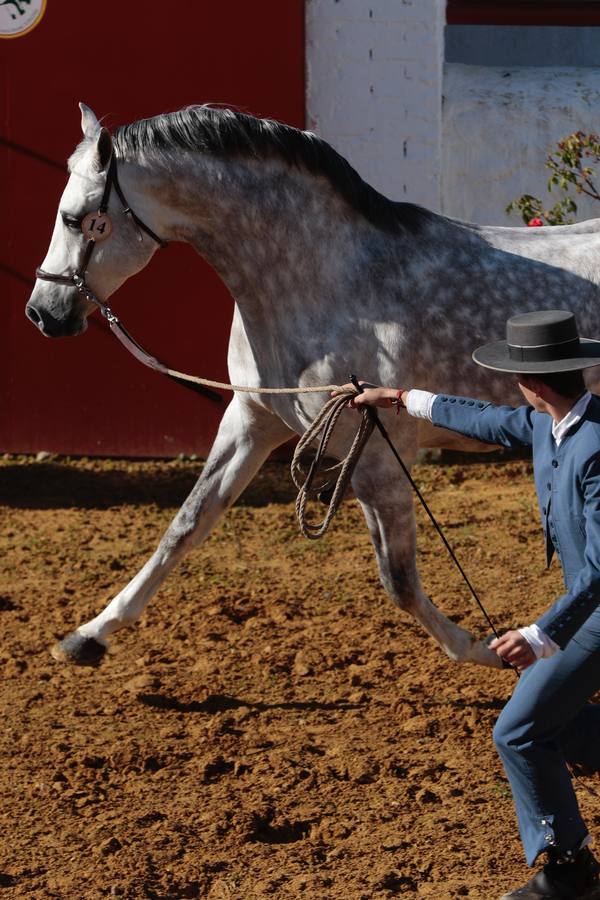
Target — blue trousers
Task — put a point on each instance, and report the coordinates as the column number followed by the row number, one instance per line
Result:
column 547, row 723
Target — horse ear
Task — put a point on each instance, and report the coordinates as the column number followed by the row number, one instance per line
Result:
column 89, row 123
column 92, row 130
column 104, row 148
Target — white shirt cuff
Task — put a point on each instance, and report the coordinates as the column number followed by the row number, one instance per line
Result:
column 542, row 645
column 419, row 403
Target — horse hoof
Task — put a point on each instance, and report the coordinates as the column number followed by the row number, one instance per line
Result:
column 79, row 649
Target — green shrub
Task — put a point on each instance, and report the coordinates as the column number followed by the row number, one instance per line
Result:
column 572, row 167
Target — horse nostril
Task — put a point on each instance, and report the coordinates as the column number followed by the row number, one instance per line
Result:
column 34, row 315
column 49, row 325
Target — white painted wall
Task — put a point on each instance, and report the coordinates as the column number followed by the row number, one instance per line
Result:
column 374, row 77
column 464, row 140
column 499, row 124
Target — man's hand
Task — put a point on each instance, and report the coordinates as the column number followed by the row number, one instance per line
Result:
column 372, row 395
column 515, row 649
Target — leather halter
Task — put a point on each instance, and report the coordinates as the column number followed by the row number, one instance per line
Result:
column 77, row 278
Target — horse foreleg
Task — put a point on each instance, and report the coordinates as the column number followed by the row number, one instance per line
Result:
column 246, row 436
column 386, row 500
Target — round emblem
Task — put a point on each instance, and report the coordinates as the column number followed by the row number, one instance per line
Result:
column 18, row 17
column 96, row 227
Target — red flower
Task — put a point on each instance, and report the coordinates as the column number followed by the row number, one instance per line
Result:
column 535, row 223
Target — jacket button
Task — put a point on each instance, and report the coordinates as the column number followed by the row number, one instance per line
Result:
column 452, row 399
column 462, row 402
column 444, row 399
column 481, row 405
column 555, row 464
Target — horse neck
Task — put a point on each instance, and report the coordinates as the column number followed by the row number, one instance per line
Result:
column 276, row 235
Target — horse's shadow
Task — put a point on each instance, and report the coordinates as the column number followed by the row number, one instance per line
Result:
column 216, row 703
column 56, row 485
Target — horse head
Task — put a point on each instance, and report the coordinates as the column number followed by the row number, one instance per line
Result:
column 93, row 251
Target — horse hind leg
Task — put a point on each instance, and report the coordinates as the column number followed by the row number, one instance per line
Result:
column 246, row 437
column 386, row 500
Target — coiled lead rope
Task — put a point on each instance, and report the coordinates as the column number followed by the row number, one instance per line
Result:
column 339, row 474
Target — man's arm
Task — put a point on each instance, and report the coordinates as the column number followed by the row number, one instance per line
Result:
column 478, row 419
column 483, row 421
column 572, row 609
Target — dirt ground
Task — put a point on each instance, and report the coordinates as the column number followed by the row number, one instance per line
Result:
column 273, row 727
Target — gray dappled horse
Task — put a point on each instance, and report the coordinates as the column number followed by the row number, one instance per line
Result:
column 327, row 275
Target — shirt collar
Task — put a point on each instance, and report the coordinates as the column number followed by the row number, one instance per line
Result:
column 559, row 429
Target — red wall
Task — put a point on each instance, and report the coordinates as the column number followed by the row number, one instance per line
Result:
column 86, row 395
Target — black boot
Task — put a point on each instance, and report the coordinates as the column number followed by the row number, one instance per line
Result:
column 564, row 877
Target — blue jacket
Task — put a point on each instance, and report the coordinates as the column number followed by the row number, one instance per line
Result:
column 567, row 481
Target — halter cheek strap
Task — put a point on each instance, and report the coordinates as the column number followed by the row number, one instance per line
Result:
column 113, row 179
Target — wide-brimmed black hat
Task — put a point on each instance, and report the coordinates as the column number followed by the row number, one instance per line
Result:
column 540, row 342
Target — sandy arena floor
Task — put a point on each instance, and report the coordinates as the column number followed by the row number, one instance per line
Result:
column 273, row 727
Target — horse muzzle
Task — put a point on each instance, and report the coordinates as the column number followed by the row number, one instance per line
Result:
column 50, row 326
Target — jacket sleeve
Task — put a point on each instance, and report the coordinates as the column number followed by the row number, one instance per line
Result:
column 483, row 421
column 572, row 609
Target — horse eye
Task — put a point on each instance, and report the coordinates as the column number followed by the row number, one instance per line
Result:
column 71, row 222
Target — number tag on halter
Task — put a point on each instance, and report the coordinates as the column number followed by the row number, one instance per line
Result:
column 96, row 227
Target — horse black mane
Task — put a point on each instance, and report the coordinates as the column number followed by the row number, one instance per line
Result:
column 225, row 132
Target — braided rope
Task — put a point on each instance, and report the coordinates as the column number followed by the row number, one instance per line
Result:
column 244, row 389
column 332, row 491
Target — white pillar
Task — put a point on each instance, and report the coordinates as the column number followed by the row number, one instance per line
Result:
column 374, row 90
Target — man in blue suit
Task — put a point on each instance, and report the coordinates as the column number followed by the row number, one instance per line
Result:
column 548, row 721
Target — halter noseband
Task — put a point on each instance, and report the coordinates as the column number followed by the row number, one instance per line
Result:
column 77, row 278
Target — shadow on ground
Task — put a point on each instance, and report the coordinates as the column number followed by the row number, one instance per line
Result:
column 75, row 484
column 102, row 484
